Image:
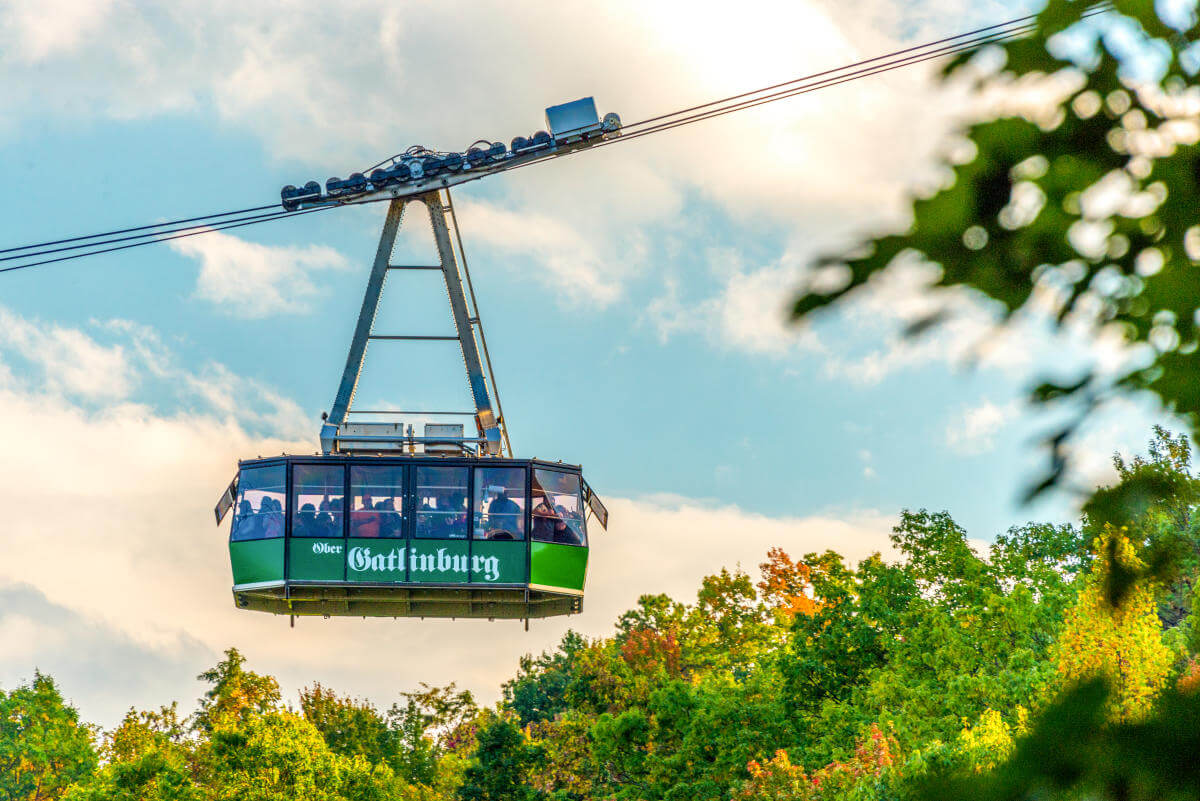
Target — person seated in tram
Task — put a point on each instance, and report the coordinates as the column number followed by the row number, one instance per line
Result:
column 247, row 523
column 389, row 518
column 543, row 520
column 365, row 522
column 306, row 522
column 456, row 520
column 270, row 518
column 503, row 516
column 327, row 520
column 564, row 533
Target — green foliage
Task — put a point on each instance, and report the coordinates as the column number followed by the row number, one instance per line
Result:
column 410, row 740
column 502, row 769
column 857, row 614
column 147, row 757
column 1073, row 753
column 350, row 727
column 43, row 746
column 236, row 694
column 1122, row 644
column 539, row 691
column 1153, row 501
column 1030, row 220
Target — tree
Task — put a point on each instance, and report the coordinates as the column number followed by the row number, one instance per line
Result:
column 279, row 756
column 539, row 691
column 569, row 767
column 235, row 695
column 857, row 614
column 503, row 765
column 350, row 727
column 1160, row 496
column 148, row 756
column 1123, row 645
column 43, row 746
column 727, row 628
column 1084, row 202
column 779, row 779
column 786, row 586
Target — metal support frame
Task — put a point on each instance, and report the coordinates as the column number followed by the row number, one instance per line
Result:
column 492, row 434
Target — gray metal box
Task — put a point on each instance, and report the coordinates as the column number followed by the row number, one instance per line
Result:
column 572, row 120
column 453, row 432
column 379, row 437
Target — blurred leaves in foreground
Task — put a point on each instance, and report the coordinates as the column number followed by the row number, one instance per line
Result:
column 1074, row 202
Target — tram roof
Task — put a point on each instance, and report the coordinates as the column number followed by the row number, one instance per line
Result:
column 399, row 458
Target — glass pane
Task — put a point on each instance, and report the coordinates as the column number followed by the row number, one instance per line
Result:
column 377, row 501
column 558, row 508
column 318, row 491
column 258, row 514
column 442, row 503
column 499, row 503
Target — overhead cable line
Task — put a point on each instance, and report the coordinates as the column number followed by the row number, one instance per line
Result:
column 152, row 236
column 201, row 230
column 141, row 228
column 951, row 45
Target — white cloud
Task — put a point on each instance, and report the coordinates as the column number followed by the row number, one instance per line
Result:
column 41, row 39
column 573, row 268
column 252, row 280
column 442, row 74
column 68, row 359
column 749, row 311
column 974, row 430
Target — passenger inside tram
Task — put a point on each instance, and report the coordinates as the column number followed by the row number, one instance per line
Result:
column 564, row 533
column 389, row 518
column 503, row 516
column 365, row 522
column 306, row 522
column 247, row 523
column 543, row 521
column 271, row 518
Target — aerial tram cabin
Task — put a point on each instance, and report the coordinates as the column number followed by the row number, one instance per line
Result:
column 385, row 523
column 411, row 536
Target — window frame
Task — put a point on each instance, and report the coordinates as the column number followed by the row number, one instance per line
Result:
column 291, row 498
column 241, row 488
column 533, row 471
column 468, row 489
column 406, row 495
column 524, row 514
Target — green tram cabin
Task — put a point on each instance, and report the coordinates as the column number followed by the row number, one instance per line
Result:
column 409, row 536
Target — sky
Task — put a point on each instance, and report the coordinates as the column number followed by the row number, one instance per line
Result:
column 634, row 302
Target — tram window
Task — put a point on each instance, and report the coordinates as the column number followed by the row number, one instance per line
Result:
column 558, row 508
column 259, row 511
column 318, row 493
column 442, row 503
column 377, row 501
column 499, row 503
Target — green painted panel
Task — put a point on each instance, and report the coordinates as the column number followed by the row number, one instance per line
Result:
column 317, row 560
column 497, row 562
column 256, row 560
column 555, row 565
column 375, row 560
